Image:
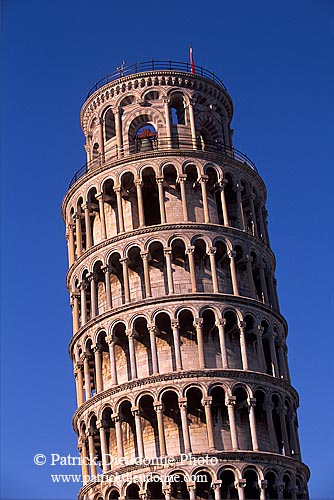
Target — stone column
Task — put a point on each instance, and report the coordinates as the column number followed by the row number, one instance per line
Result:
column 222, row 185
column 263, row 284
column 117, row 190
column 87, row 377
column 119, row 439
column 252, row 423
column 144, row 256
column 84, row 460
column 238, row 190
column 166, row 101
column 271, row 291
column 124, row 263
column 184, row 421
column 75, row 311
column 207, row 401
column 170, row 281
column 104, row 445
column 167, row 492
column 263, row 487
column 243, row 347
column 259, row 344
column 220, row 323
column 98, row 367
column 100, row 198
column 161, row 431
column 293, row 436
column 106, row 272
column 279, row 345
column 273, row 355
column 113, row 368
column 118, row 130
column 79, row 384
column 177, row 348
column 271, row 429
column 231, row 255
column 101, row 139
column 70, row 243
column 89, row 238
column 251, row 203
column 182, row 179
column 203, row 180
column 82, row 288
column 93, row 304
column 261, row 220
column 230, row 402
column 133, row 363
column 192, row 122
column 199, row 332
column 191, row 487
column 285, row 352
column 154, row 352
column 286, row 445
column 240, row 485
column 139, row 435
column 78, row 233
column 190, row 251
column 139, row 184
column 216, row 485
column 211, row 252
column 160, row 181
column 91, row 447
column 250, row 277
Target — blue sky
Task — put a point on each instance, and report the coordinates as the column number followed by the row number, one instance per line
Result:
column 276, row 59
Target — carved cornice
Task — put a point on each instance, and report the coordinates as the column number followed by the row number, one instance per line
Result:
column 214, row 374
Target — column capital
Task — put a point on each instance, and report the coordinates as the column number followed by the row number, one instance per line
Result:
column 138, row 182
column 231, row 254
column 91, row 277
column 130, row 333
column 211, row 250
column 115, row 417
column 145, row 255
column 230, row 400
column 198, row 322
column 203, row 178
column 237, row 188
column 181, row 178
column 182, row 403
column 242, row 324
column 100, row 196
column 175, row 323
column 135, row 411
column 263, row 484
column 251, row 402
column 105, row 269
column 220, row 322
column 99, row 424
column 165, row 99
column 207, row 401
column 157, row 405
column 123, row 261
column 190, row 249
column 110, row 339
column 151, row 328
column 191, row 486
column 96, row 348
column 167, row 250
column 215, row 485
column 240, row 483
column 222, row 183
column 77, row 216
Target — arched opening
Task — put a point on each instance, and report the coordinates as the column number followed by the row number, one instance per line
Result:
column 157, row 270
column 193, row 193
column 256, row 276
column 179, row 490
column 271, row 490
column 262, row 431
column 154, row 490
column 232, row 340
column 223, row 268
column 122, row 354
column 149, row 426
column 181, row 275
column 220, row 420
column 94, row 217
column 276, row 411
column 212, row 353
column 129, row 201
column 100, row 288
column 103, row 349
column 188, row 340
column 113, row 494
column 242, row 419
column 132, row 492
column 204, row 490
column 136, row 274
column 110, row 208
column 177, row 109
column 196, row 419
column 251, row 343
column 90, row 379
column 109, row 125
column 287, row 492
column 202, row 267
column 214, row 196
column 110, row 432
column 242, row 271
column 142, row 348
column 165, row 343
column 127, row 420
column 116, row 280
column 228, row 489
column 252, row 490
column 231, row 203
column 172, row 423
column 150, row 198
column 172, row 194
column 266, row 348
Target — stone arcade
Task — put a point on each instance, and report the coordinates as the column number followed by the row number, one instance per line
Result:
column 179, row 347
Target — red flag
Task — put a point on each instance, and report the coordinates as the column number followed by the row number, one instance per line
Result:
column 192, row 64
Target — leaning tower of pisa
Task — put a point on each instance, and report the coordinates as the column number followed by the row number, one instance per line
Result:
column 179, row 347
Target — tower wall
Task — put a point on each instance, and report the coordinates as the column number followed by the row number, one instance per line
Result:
column 179, row 347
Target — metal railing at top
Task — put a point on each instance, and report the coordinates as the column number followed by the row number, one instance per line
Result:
column 165, row 144
column 143, row 67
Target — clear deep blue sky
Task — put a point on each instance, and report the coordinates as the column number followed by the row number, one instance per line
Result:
column 276, row 59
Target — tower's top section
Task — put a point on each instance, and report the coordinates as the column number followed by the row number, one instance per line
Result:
column 157, row 107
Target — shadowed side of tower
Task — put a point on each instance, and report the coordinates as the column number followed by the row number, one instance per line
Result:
column 179, row 347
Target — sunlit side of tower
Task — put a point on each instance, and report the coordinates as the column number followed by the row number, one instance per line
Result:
column 179, row 347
